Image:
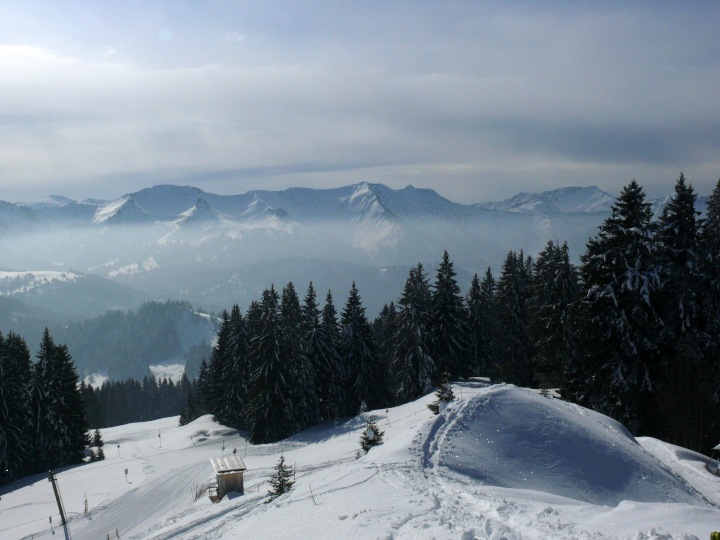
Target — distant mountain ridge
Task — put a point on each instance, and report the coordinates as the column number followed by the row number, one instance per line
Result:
column 183, row 243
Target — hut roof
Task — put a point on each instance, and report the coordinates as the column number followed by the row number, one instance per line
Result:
column 228, row 464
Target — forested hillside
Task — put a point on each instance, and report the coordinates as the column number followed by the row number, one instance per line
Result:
column 122, row 344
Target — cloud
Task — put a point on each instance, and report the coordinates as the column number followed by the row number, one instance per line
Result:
column 474, row 104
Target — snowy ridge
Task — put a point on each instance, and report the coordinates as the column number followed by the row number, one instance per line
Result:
column 22, row 282
column 559, row 201
column 500, row 462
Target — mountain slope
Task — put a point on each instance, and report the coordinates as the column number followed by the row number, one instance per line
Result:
column 500, row 462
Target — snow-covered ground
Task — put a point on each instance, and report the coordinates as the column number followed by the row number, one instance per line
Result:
column 500, row 462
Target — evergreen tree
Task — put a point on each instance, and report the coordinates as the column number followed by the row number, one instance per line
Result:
column 448, row 323
column 230, row 409
column 709, row 248
column 621, row 279
column 444, row 395
column 281, row 481
column 685, row 400
column 58, row 410
column 371, row 436
column 330, row 373
column 513, row 346
column 481, row 324
column 413, row 368
column 303, row 404
column 268, row 417
column 216, row 396
column 385, row 329
column 553, row 307
column 357, row 350
column 97, row 439
column 15, row 428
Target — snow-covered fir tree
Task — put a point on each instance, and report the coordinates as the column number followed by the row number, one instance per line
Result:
column 621, row 279
column 481, row 320
column 303, row 406
column 281, row 481
column 385, row 329
column 371, row 436
column 15, row 417
column 357, row 350
column 554, row 314
column 268, row 412
column 513, row 346
column 685, row 400
column 443, row 395
column 412, row 366
column 331, row 374
column 709, row 259
column 236, row 372
column 58, row 414
column 448, row 323
column 216, row 394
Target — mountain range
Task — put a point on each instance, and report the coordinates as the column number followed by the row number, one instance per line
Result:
column 179, row 242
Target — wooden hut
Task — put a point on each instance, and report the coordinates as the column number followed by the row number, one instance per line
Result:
column 229, row 475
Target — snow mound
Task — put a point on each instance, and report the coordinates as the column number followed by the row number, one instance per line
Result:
column 514, row 438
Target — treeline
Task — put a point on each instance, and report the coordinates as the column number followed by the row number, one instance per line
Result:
column 632, row 332
column 121, row 402
column 42, row 413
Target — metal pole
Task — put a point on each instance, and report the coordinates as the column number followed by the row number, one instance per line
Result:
column 53, row 481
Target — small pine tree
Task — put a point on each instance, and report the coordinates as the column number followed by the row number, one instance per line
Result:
column 280, row 481
column 99, row 455
column 97, row 439
column 444, row 395
column 372, row 436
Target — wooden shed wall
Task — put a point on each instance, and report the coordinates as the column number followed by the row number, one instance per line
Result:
column 227, row 482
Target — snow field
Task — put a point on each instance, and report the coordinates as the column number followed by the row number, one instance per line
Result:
column 500, row 462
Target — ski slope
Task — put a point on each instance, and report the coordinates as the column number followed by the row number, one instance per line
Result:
column 499, row 462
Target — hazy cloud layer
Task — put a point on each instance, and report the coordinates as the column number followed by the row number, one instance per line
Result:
column 477, row 100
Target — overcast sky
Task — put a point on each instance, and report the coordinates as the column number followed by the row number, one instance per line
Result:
column 477, row 100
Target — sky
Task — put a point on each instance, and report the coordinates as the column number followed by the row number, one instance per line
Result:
column 477, row 100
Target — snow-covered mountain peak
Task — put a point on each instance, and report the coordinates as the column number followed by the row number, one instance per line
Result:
column 201, row 212
column 121, row 211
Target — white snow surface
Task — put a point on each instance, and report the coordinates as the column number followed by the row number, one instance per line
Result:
column 500, row 462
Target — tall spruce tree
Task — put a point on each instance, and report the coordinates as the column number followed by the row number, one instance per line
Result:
column 269, row 416
column 448, row 323
column 685, row 400
column 709, row 247
column 330, row 373
column 513, row 346
column 554, row 314
column 15, row 426
column 480, row 303
column 303, row 404
column 385, row 328
column 357, row 351
column 412, row 367
column 58, row 410
column 216, row 394
column 236, row 370
column 621, row 278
